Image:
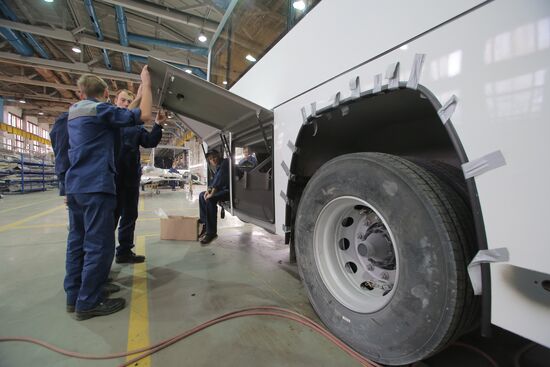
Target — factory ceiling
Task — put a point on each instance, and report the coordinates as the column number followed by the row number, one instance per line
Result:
column 45, row 45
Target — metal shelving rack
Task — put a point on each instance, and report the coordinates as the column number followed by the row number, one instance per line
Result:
column 30, row 180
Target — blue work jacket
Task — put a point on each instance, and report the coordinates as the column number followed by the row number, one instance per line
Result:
column 129, row 159
column 220, row 181
column 250, row 162
column 92, row 126
column 59, row 137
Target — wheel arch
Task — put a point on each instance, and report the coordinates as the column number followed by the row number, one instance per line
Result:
column 403, row 122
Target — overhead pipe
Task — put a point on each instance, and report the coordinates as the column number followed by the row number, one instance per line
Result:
column 48, row 75
column 15, row 40
column 123, row 36
column 197, row 71
column 203, row 51
column 68, row 36
column 166, row 13
column 97, row 29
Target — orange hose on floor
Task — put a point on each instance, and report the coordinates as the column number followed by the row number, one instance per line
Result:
column 254, row 311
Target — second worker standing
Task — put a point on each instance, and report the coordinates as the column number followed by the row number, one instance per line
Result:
column 129, row 176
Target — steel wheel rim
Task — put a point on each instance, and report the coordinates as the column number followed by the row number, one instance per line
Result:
column 356, row 255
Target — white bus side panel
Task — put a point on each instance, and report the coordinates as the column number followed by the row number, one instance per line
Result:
column 338, row 35
column 495, row 60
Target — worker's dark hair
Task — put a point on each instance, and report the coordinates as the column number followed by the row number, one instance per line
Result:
column 213, row 153
column 91, row 85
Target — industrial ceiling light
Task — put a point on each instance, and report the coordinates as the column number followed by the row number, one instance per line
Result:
column 188, row 71
column 224, row 82
column 251, row 58
column 202, row 38
column 76, row 49
column 22, row 101
column 41, row 113
column 49, row 1
column 299, row 5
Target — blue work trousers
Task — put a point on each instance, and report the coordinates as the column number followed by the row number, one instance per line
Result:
column 126, row 215
column 209, row 210
column 90, row 248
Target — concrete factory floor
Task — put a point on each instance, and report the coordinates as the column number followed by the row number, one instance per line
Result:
column 179, row 286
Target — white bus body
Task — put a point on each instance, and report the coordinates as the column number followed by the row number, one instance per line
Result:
column 494, row 57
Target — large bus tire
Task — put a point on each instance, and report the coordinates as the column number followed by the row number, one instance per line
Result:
column 382, row 251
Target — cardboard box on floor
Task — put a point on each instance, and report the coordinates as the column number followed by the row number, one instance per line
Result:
column 179, row 228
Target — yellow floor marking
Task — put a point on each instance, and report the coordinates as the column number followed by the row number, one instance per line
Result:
column 49, row 225
column 138, row 326
column 151, row 234
column 6, row 227
column 141, row 204
column 26, row 205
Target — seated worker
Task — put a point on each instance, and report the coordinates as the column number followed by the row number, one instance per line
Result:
column 173, row 183
column 218, row 191
column 91, row 189
column 128, row 167
column 248, row 161
column 59, row 137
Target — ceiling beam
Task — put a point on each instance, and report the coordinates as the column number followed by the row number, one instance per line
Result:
column 54, row 46
column 28, row 106
column 40, row 83
column 166, row 13
column 38, row 97
column 185, row 8
column 68, row 36
column 74, row 68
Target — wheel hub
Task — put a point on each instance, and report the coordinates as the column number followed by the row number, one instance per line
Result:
column 355, row 254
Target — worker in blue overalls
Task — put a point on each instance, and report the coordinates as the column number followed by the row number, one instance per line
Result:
column 129, row 176
column 218, row 190
column 59, row 137
column 90, row 188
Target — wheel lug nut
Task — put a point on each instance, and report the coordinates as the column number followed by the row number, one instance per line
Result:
column 370, row 267
column 385, row 275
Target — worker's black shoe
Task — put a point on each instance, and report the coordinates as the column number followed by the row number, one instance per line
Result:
column 108, row 288
column 203, row 231
column 107, row 307
column 209, row 237
column 129, row 258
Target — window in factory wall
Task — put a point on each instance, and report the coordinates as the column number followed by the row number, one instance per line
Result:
column 33, row 129
column 15, row 121
column 20, row 144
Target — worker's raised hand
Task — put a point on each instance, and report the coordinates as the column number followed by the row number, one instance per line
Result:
column 139, row 92
column 161, row 117
column 145, row 76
